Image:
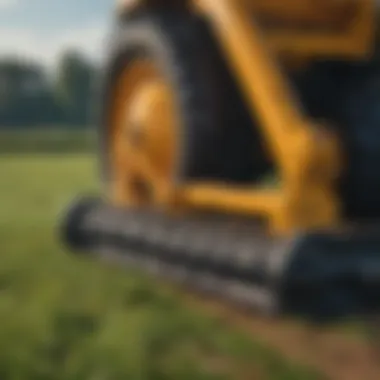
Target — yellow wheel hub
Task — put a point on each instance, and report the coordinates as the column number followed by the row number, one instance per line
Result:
column 143, row 139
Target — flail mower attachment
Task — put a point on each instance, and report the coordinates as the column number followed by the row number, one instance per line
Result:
column 323, row 276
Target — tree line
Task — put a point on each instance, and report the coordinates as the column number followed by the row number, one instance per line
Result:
column 32, row 96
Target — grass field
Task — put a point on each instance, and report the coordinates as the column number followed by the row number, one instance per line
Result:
column 61, row 318
column 47, row 140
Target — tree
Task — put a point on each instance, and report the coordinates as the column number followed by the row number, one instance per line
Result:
column 25, row 94
column 73, row 88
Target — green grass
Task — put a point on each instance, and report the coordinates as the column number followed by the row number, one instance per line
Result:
column 70, row 319
column 47, row 140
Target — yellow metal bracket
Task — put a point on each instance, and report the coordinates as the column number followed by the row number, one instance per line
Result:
column 307, row 155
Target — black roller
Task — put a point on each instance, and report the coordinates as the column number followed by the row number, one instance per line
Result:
column 325, row 275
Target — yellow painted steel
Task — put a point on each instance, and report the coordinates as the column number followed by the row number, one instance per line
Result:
column 307, row 155
column 346, row 30
column 143, row 136
column 307, row 28
column 253, row 35
column 227, row 198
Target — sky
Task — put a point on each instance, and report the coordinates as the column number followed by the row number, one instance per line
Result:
column 42, row 29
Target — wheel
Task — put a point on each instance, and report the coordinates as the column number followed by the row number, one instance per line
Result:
column 161, row 122
column 348, row 95
column 170, row 113
column 360, row 115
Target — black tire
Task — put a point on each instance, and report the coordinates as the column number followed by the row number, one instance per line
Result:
column 348, row 95
column 172, row 41
column 360, row 118
column 217, row 138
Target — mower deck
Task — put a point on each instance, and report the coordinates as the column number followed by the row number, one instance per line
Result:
column 324, row 275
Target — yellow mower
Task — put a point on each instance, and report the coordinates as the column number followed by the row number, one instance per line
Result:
column 239, row 143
